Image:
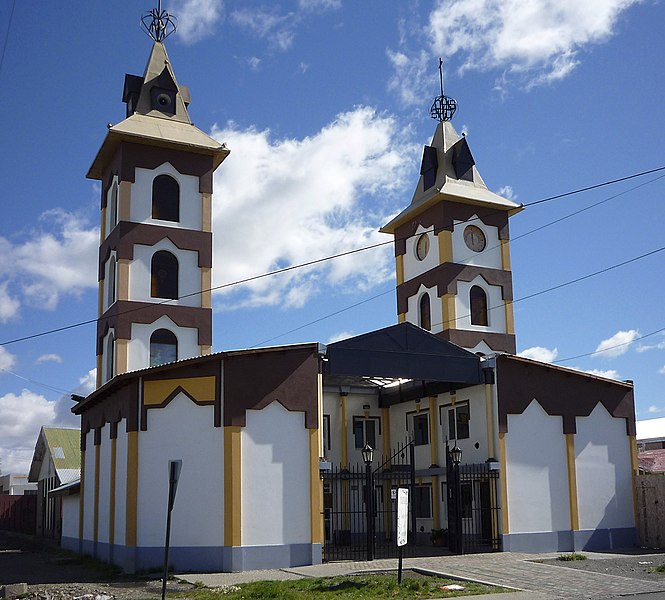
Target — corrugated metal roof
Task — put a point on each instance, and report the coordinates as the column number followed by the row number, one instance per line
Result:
column 65, row 448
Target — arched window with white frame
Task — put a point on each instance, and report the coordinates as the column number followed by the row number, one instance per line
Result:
column 111, row 283
column 163, row 347
column 165, row 198
column 478, row 303
column 425, row 312
column 164, row 275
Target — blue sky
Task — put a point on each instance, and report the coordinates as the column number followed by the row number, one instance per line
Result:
column 325, row 107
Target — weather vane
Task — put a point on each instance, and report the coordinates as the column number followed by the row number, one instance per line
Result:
column 158, row 23
column 443, row 108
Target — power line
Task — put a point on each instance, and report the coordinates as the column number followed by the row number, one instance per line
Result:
column 9, row 26
column 325, row 259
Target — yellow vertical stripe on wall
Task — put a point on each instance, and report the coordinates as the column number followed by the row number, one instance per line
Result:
column 232, row 487
column 433, row 437
column 206, row 211
column 98, row 376
column 401, row 318
column 448, row 311
column 82, row 494
column 102, row 229
column 315, row 489
column 634, row 467
column 489, row 417
column 122, row 278
column 572, row 482
column 386, row 432
column 345, row 451
column 505, row 255
column 206, row 287
column 504, row 483
column 510, row 319
column 131, row 503
column 100, row 297
column 445, row 246
column 112, row 472
column 121, row 347
column 205, row 350
column 95, row 526
column 399, row 269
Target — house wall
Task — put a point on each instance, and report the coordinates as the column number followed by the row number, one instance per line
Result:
column 89, row 495
column 70, row 522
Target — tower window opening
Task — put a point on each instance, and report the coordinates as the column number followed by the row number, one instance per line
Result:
column 111, row 283
column 110, row 357
column 164, row 275
column 425, row 312
column 478, row 301
column 113, row 207
column 165, row 198
column 163, row 347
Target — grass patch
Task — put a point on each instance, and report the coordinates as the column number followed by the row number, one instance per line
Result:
column 660, row 569
column 571, row 556
column 368, row 587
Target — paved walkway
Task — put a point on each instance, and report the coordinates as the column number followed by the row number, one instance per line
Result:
column 509, row 569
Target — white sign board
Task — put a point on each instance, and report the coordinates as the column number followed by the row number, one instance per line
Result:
column 402, row 515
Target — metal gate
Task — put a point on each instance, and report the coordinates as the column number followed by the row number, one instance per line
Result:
column 358, row 525
column 473, row 507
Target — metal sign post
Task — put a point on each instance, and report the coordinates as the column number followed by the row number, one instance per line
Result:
column 175, row 466
column 402, row 526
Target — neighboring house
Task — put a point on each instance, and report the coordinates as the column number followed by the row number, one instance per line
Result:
column 55, row 462
column 16, row 485
column 651, row 461
column 269, row 438
column 651, row 434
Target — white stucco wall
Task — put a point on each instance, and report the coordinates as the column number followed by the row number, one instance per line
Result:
column 104, row 485
column 436, row 310
column 275, row 478
column 190, row 198
column 121, row 483
column 89, row 487
column 138, row 348
column 70, row 516
column 182, row 430
column 489, row 257
column 496, row 312
column 414, row 267
column 604, row 479
column 189, row 274
column 537, row 472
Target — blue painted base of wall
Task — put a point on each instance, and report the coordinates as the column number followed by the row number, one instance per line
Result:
column 201, row 559
column 571, row 541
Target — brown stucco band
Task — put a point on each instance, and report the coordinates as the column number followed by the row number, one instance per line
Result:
column 129, row 156
column 253, row 381
column 445, row 278
column 126, row 235
column 441, row 217
column 561, row 392
column 123, row 313
column 499, row 342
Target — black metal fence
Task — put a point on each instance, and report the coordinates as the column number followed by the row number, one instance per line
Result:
column 347, row 506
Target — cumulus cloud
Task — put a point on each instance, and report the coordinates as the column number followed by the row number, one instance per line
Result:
column 662, row 370
column 606, row 373
column 655, row 409
column 64, row 415
column 646, row 347
column 267, row 23
column 319, row 5
column 338, row 337
column 295, row 200
column 540, row 354
column 7, row 359
column 21, row 417
column 618, row 344
column 57, row 259
column 507, row 192
column 197, row 19
column 49, row 358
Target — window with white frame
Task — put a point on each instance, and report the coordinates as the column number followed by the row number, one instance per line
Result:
column 366, row 430
column 457, row 420
column 417, row 424
column 326, row 433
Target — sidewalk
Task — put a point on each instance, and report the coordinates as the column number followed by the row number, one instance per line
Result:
column 516, row 571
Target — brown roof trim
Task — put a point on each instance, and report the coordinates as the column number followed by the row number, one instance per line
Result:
column 499, row 342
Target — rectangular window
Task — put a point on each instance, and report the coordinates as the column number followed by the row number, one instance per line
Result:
column 365, row 431
column 458, row 421
column 326, row 432
column 422, row 501
column 421, row 429
column 467, row 500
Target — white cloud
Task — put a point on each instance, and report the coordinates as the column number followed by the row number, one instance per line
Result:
column 7, row 359
column 540, row 354
column 21, row 417
column 49, row 358
column 196, row 19
column 662, row 370
column 9, row 305
column 507, row 192
column 282, row 202
column 338, row 337
column 410, row 71
column 646, row 347
column 268, row 24
column 655, row 409
column 57, row 259
column 607, row 373
column 319, row 5
column 254, row 63
column 618, row 344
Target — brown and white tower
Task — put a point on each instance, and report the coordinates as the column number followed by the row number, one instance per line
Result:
column 452, row 247
column 155, row 255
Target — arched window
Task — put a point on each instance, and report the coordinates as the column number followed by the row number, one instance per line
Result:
column 425, row 312
column 110, row 282
column 478, row 300
column 165, row 198
column 113, row 206
column 110, row 357
column 164, row 275
column 163, row 347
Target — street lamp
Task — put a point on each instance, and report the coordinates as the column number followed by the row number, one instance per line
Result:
column 368, row 456
column 456, row 457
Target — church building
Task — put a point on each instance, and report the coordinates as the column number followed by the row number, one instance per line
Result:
column 497, row 451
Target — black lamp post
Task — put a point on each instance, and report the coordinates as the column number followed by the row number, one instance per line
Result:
column 368, row 456
column 456, row 457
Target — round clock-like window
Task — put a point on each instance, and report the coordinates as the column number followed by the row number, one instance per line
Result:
column 474, row 238
column 422, row 246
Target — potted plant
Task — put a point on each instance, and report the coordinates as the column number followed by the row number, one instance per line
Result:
column 439, row 537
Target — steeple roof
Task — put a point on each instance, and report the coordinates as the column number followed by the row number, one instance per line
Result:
column 157, row 115
column 448, row 172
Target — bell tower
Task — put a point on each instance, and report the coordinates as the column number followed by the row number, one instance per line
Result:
column 155, row 254
column 452, row 246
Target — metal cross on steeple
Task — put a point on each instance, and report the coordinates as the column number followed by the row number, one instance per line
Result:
column 158, row 23
column 443, row 107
